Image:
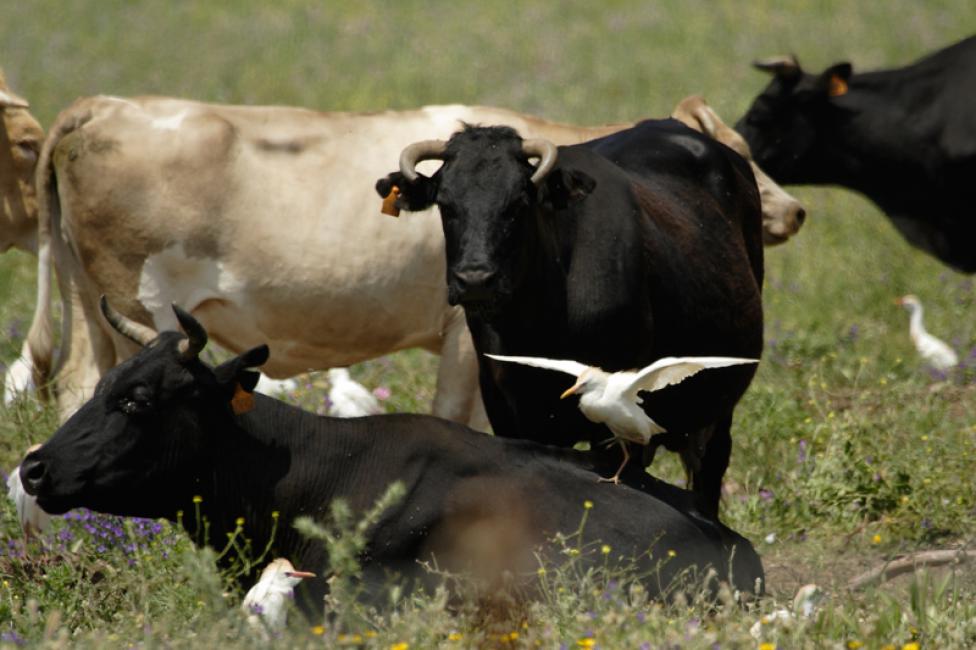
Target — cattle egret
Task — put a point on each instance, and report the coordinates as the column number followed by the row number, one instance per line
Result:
column 611, row 398
column 266, row 602
column 19, row 379
column 276, row 387
column 349, row 398
column 934, row 351
column 32, row 518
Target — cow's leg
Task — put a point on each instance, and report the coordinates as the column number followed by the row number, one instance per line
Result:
column 87, row 354
column 457, row 376
column 712, row 448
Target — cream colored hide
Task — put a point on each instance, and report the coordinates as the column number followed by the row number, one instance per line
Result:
column 782, row 213
column 20, row 142
column 261, row 221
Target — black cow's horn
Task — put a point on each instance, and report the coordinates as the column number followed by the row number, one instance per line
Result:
column 418, row 151
column 130, row 329
column 784, row 65
column 546, row 151
column 196, row 336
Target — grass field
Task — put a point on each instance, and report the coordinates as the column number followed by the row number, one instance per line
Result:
column 847, row 451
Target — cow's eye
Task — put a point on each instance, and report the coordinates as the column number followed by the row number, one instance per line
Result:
column 136, row 401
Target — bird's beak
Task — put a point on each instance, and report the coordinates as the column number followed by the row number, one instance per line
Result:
column 299, row 574
column 571, row 390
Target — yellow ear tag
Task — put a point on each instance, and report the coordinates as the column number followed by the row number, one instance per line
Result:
column 243, row 401
column 837, row 86
column 389, row 202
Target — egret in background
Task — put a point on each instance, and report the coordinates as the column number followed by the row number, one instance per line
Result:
column 933, row 350
column 611, row 398
column 349, row 398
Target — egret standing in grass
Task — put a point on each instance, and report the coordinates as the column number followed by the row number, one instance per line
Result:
column 612, row 398
column 933, row 350
column 267, row 601
column 349, row 398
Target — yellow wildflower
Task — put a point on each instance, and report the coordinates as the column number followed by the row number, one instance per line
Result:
column 573, row 552
column 587, row 504
column 588, row 642
column 455, row 636
column 672, row 552
column 767, row 646
column 400, row 646
column 911, row 645
column 197, row 499
column 541, row 571
column 876, row 539
column 239, row 521
column 605, row 549
column 275, row 514
column 370, row 634
column 854, row 644
column 318, row 630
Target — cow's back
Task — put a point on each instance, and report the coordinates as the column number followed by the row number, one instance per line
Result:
column 262, row 221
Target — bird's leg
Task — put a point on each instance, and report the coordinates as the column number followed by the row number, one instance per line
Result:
column 615, row 479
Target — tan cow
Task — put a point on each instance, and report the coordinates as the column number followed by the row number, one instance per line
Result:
column 782, row 213
column 20, row 144
column 262, row 221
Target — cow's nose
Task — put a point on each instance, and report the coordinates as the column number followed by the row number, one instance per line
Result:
column 472, row 282
column 33, row 474
column 801, row 216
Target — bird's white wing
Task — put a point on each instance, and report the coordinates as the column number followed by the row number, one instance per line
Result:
column 574, row 368
column 674, row 370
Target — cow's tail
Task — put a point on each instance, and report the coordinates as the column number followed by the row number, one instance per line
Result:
column 40, row 338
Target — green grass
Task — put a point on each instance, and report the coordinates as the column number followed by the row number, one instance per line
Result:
column 846, row 450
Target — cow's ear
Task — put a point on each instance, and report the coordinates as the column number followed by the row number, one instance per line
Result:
column 235, row 371
column 564, row 186
column 834, row 79
column 400, row 194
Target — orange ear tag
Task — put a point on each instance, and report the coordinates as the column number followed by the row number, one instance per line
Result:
column 837, row 86
column 243, row 401
column 389, row 202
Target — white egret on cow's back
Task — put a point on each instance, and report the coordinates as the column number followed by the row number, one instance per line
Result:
column 932, row 349
column 612, row 398
column 266, row 602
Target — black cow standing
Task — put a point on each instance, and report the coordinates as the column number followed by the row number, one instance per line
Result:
column 905, row 138
column 163, row 427
column 611, row 265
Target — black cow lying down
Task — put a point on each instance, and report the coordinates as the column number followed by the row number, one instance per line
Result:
column 162, row 428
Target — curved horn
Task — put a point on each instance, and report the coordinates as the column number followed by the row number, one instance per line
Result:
column 784, row 65
column 546, row 152
column 418, row 151
column 196, row 336
column 130, row 329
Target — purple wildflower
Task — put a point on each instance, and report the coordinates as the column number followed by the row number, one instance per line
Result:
column 801, row 454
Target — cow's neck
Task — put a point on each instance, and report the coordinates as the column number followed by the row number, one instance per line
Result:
column 265, row 462
column 878, row 144
column 553, row 307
